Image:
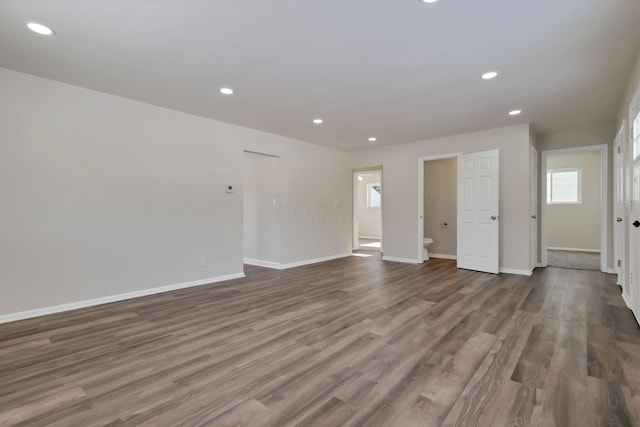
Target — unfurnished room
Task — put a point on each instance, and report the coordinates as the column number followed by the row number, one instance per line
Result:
column 336, row 213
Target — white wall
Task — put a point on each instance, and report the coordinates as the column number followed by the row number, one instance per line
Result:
column 577, row 225
column 400, row 195
column 632, row 87
column 369, row 219
column 440, row 205
column 102, row 195
column 261, row 229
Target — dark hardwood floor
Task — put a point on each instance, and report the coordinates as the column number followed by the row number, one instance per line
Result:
column 351, row 342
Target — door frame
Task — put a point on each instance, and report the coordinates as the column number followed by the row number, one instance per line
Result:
column 633, row 299
column 620, row 186
column 535, row 205
column 604, row 200
column 421, row 161
column 354, row 204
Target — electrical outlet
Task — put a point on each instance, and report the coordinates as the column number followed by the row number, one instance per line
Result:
column 203, row 261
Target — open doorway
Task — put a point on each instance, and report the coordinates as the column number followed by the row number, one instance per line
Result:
column 477, row 210
column 367, row 209
column 440, row 208
column 574, row 214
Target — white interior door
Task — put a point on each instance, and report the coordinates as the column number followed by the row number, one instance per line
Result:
column 478, row 212
column 634, row 218
column 356, row 214
column 534, row 207
column 634, row 243
column 619, row 208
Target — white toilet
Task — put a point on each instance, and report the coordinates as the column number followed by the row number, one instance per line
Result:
column 427, row 242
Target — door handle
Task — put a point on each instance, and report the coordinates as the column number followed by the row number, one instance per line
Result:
column 636, row 223
column 493, row 217
column 534, row 216
column 618, row 219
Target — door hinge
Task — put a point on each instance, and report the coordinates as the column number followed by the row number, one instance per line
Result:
column 619, row 263
column 618, row 149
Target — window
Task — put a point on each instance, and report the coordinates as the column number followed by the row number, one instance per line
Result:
column 374, row 196
column 564, row 186
column 635, row 130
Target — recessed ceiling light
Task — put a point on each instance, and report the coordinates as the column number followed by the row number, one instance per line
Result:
column 226, row 91
column 514, row 112
column 318, row 121
column 490, row 75
column 428, row 1
column 40, row 29
column 373, row 139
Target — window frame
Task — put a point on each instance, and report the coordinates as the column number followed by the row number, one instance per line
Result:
column 635, row 135
column 370, row 188
column 550, row 173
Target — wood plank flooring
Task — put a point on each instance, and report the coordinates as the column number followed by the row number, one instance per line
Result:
column 350, row 342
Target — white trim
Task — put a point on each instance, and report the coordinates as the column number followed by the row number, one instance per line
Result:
column 442, row 256
column 620, row 161
column 12, row 317
column 369, row 237
column 260, row 263
column 355, row 208
column 604, row 188
column 278, row 266
column 553, row 248
column 314, row 261
column 534, row 163
column 626, row 299
column 402, row 260
column 421, row 161
column 578, row 185
column 516, row 271
column 610, row 271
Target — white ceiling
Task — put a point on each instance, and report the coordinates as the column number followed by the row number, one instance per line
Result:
column 397, row 69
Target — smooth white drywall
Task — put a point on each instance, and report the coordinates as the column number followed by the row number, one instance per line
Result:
column 369, row 218
column 400, row 195
column 440, row 205
column 633, row 85
column 102, row 195
column 261, row 229
column 577, row 225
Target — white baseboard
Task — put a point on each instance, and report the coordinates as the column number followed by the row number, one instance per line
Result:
column 314, row 260
column 12, row 317
column 516, row 271
column 279, row 266
column 260, row 263
column 573, row 249
column 626, row 299
column 402, row 260
column 442, row 256
column 609, row 271
column 369, row 237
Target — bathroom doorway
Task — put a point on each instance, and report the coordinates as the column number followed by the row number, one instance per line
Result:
column 439, row 207
column 367, row 209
